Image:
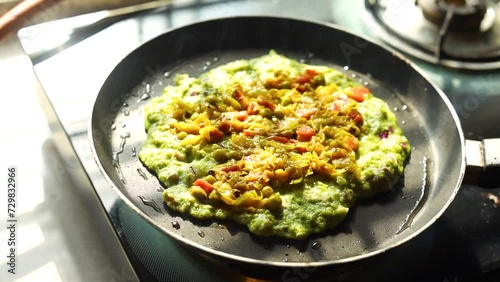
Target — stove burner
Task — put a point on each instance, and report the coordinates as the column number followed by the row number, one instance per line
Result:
column 462, row 34
column 463, row 15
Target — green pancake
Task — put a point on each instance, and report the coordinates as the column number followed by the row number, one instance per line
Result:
column 282, row 147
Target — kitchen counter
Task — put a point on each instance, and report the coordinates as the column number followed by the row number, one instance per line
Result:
column 56, row 236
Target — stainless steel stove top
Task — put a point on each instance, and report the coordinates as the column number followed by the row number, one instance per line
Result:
column 463, row 36
column 463, row 245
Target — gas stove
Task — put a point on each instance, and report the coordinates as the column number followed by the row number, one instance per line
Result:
column 463, row 245
column 456, row 34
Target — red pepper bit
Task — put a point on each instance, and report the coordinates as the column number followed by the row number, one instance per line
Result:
column 353, row 143
column 266, row 103
column 280, row 139
column 231, row 168
column 358, row 93
column 242, row 115
column 203, row 184
column 241, row 98
column 301, row 150
column 216, row 136
column 252, row 109
column 356, row 116
column 306, row 76
column 306, row 113
column 305, row 133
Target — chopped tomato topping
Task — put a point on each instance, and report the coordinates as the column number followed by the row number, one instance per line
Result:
column 334, row 107
column 307, row 113
column 280, row 139
column 338, row 154
column 274, row 82
column 241, row 116
column 305, row 133
column 266, row 103
column 241, row 98
column 252, row 109
column 358, row 93
column 355, row 116
column 301, row 150
column 203, row 184
column 352, row 142
column 249, row 133
column 224, row 126
column 312, row 73
column 306, row 76
column 301, row 88
column 216, row 135
column 231, row 168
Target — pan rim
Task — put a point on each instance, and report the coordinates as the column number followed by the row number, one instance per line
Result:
column 258, row 262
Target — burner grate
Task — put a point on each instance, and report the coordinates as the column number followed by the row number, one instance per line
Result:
column 461, row 34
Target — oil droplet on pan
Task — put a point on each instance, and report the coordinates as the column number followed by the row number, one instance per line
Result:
column 175, row 224
column 420, row 201
column 142, row 174
column 144, row 97
column 120, row 150
column 150, row 203
column 316, row 245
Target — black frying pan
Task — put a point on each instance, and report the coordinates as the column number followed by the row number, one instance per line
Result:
column 431, row 179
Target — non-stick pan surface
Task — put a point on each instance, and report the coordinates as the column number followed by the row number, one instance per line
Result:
column 431, row 179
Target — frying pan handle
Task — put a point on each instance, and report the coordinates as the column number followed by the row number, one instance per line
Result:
column 483, row 162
